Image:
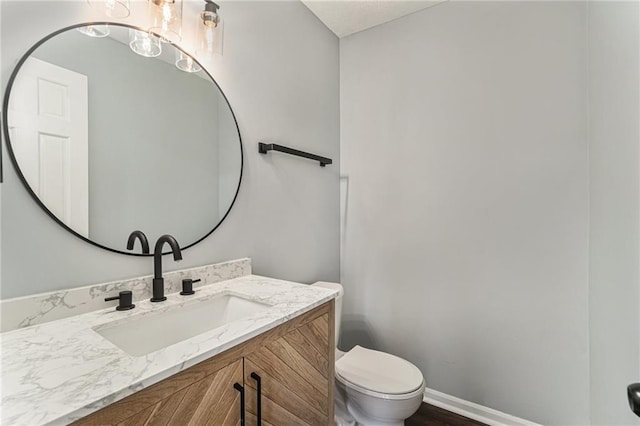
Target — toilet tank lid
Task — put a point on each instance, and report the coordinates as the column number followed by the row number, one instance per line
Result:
column 331, row 286
column 379, row 371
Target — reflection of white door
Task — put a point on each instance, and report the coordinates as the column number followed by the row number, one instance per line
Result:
column 48, row 126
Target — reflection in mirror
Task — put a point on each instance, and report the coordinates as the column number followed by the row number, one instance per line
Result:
column 110, row 141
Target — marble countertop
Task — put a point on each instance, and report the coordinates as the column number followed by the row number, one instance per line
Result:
column 60, row 371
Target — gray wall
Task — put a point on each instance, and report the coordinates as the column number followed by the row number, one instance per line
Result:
column 464, row 138
column 152, row 168
column 614, row 232
column 280, row 73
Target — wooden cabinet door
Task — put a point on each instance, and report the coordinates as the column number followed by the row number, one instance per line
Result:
column 212, row 400
column 296, row 377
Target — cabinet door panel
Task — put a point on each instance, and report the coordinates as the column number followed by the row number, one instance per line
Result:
column 164, row 410
column 165, row 390
column 300, row 343
column 213, row 399
column 316, row 334
column 278, row 415
column 287, row 399
column 297, row 379
column 140, row 418
column 253, row 420
column 289, row 355
column 269, row 364
column 210, row 401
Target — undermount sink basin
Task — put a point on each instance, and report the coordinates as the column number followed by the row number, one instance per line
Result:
column 149, row 333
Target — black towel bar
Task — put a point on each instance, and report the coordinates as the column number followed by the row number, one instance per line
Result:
column 263, row 148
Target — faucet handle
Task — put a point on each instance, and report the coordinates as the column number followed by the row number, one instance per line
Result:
column 187, row 286
column 126, row 299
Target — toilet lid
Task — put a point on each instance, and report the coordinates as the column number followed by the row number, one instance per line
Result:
column 379, row 371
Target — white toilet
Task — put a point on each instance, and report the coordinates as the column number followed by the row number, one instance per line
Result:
column 376, row 388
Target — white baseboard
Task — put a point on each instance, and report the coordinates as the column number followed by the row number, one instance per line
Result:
column 473, row 411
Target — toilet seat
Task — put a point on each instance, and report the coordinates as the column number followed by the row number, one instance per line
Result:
column 379, row 374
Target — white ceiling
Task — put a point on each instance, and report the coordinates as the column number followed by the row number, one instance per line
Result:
column 345, row 17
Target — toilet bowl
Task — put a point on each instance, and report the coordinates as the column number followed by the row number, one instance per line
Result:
column 373, row 388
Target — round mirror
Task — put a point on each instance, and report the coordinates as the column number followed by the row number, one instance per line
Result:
column 112, row 130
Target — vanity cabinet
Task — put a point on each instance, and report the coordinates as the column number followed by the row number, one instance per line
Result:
column 284, row 376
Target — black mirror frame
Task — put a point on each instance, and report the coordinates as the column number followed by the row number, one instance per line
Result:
column 34, row 196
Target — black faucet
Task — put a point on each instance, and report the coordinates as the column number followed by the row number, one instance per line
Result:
column 633, row 392
column 158, row 281
column 143, row 241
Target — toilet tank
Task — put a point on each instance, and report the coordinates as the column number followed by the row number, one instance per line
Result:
column 335, row 286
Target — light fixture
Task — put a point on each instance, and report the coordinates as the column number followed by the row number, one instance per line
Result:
column 166, row 19
column 144, row 43
column 111, row 8
column 97, row 31
column 210, row 31
column 186, row 63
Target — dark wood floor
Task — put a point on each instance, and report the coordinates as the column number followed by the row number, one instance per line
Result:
column 434, row 416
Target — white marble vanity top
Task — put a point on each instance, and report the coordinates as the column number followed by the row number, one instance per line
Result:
column 60, row 371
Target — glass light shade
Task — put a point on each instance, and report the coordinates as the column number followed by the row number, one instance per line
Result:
column 144, row 44
column 166, row 19
column 97, row 31
column 210, row 37
column 186, row 63
column 111, row 8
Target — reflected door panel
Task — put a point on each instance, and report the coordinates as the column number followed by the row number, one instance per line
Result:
column 50, row 118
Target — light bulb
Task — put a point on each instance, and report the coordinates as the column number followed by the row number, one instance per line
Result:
column 209, row 18
column 167, row 12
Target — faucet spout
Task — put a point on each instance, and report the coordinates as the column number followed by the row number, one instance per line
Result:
column 158, row 280
column 143, row 241
column 157, row 253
